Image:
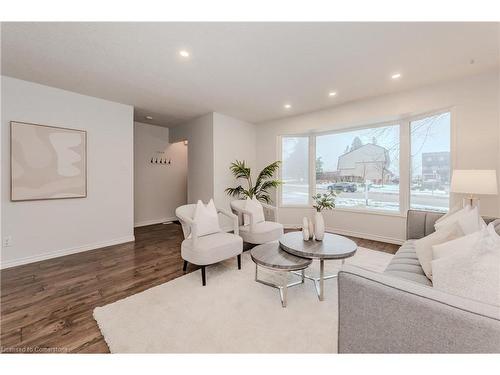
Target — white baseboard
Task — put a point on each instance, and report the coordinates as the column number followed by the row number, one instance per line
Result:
column 154, row 221
column 63, row 252
column 366, row 236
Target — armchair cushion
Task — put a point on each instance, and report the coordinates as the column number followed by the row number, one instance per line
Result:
column 263, row 232
column 212, row 248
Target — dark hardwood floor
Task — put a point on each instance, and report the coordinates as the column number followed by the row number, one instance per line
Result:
column 47, row 306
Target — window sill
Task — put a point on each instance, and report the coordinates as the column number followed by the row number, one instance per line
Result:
column 351, row 210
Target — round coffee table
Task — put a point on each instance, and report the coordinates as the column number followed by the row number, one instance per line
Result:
column 271, row 256
column 332, row 247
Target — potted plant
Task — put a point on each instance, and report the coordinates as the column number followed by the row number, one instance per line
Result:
column 263, row 182
column 325, row 201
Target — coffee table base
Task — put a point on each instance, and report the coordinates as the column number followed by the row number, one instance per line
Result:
column 319, row 282
column 283, row 288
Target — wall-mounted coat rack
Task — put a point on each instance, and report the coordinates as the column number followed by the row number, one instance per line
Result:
column 160, row 158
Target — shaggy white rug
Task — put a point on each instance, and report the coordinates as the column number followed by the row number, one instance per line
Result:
column 232, row 314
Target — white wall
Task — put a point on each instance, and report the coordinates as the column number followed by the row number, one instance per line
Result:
column 214, row 141
column 474, row 102
column 158, row 188
column 233, row 140
column 199, row 134
column 48, row 228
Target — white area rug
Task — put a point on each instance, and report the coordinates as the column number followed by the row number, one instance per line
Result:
column 232, row 314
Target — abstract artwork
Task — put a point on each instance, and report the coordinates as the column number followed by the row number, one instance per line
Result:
column 47, row 162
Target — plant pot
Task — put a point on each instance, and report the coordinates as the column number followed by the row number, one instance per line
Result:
column 319, row 226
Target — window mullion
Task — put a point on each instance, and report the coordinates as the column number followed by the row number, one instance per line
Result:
column 404, row 166
column 312, row 167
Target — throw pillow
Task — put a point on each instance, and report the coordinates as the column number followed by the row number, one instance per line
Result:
column 423, row 246
column 494, row 227
column 255, row 207
column 473, row 272
column 206, row 219
column 471, row 222
column 455, row 246
column 451, row 217
column 450, row 213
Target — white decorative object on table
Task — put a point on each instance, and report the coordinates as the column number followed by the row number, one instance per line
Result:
column 311, row 228
column 324, row 201
column 319, row 226
column 305, row 229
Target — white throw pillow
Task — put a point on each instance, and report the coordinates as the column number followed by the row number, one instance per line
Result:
column 473, row 272
column 450, row 213
column 451, row 217
column 206, row 219
column 472, row 221
column 255, row 207
column 423, row 246
column 455, row 246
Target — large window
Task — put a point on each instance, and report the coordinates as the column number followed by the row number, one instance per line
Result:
column 363, row 165
column 295, row 171
column 430, row 163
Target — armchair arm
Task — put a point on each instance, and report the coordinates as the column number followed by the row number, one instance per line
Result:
column 384, row 314
column 233, row 217
column 192, row 227
column 273, row 209
column 250, row 215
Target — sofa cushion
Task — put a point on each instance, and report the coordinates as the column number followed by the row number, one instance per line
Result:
column 405, row 265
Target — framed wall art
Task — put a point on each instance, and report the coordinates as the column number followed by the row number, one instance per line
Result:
column 47, row 162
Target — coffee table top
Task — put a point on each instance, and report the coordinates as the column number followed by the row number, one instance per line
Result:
column 270, row 255
column 332, row 247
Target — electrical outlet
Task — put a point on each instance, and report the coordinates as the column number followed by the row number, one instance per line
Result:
column 7, row 241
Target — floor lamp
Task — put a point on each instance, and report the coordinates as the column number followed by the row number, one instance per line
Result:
column 474, row 182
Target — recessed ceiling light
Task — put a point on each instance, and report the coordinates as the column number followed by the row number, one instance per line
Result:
column 332, row 93
column 149, row 117
column 287, row 106
column 184, row 53
column 396, row 76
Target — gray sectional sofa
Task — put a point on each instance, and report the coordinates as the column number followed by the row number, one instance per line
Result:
column 399, row 311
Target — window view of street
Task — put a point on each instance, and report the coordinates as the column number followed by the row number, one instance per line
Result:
column 362, row 165
column 430, row 163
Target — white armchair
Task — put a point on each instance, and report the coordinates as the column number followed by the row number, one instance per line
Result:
column 257, row 233
column 208, row 249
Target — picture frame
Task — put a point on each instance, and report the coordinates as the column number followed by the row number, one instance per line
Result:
column 47, row 162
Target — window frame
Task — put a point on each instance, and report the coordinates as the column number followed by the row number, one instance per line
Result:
column 451, row 111
column 404, row 123
column 280, row 173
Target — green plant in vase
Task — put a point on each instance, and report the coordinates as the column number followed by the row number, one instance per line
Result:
column 325, row 201
column 263, row 183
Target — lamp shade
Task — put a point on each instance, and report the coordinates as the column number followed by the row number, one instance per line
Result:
column 474, row 181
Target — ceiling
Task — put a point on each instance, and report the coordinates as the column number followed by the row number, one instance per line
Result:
column 245, row 70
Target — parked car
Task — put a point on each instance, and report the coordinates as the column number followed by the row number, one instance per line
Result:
column 343, row 186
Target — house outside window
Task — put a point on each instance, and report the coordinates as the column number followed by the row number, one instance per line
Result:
column 363, row 166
